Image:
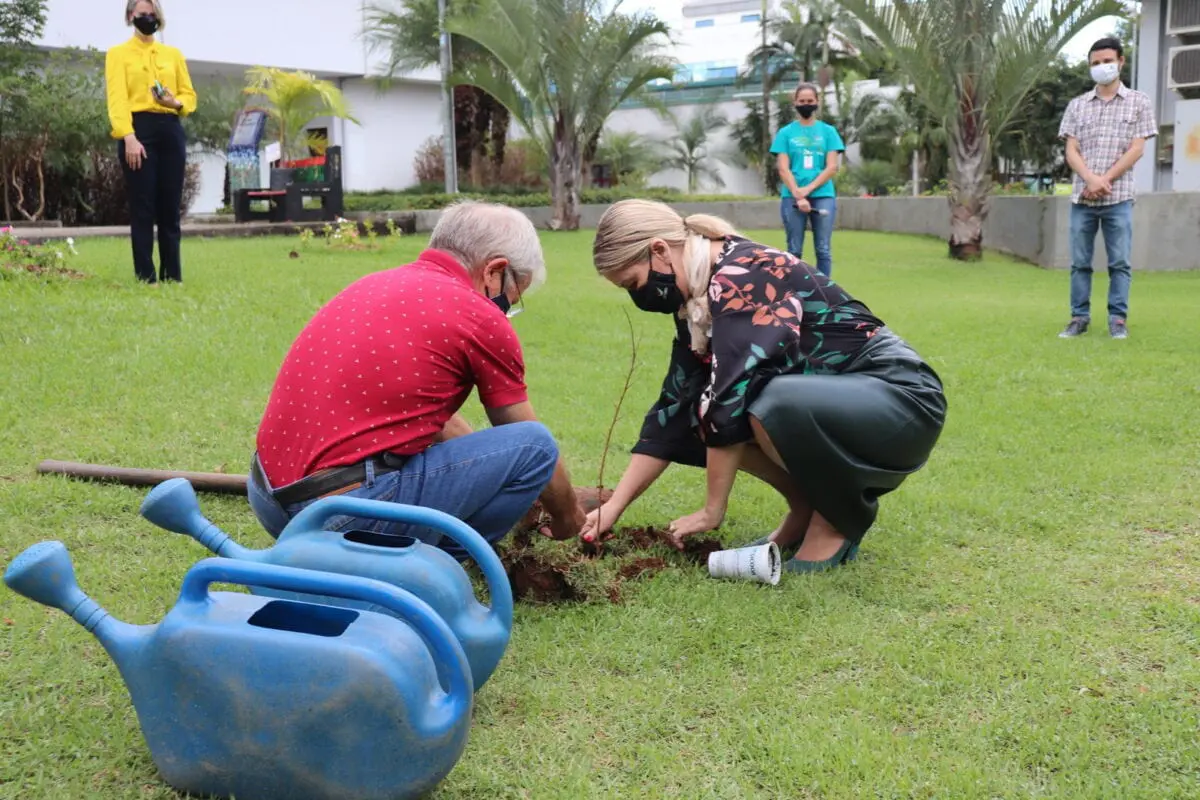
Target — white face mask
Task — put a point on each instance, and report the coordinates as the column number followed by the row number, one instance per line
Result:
column 1104, row 74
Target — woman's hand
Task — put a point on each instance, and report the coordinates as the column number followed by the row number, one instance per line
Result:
column 167, row 100
column 803, row 205
column 699, row 522
column 600, row 522
column 134, row 152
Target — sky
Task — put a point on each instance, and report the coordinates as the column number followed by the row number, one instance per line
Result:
column 1076, row 49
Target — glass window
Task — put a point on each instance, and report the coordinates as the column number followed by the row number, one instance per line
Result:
column 751, row 17
column 704, row 23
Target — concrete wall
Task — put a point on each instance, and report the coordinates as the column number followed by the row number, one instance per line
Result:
column 647, row 123
column 1166, row 225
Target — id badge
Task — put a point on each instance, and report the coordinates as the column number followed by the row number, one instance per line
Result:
column 808, row 159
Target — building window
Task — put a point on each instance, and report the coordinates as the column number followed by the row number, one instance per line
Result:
column 751, row 17
column 704, row 23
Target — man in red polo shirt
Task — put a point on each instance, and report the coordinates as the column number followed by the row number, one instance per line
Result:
column 365, row 402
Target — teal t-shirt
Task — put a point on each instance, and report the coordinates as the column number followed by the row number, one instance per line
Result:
column 806, row 146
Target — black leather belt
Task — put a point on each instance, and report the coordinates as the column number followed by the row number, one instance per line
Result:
column 334, row 480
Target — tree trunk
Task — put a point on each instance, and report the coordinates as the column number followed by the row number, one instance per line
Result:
column 500, row 122
column 466, row 102
column 564, row 179
column 970, row 181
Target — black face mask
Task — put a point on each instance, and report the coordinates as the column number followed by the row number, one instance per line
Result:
column 659, row 295
column 147, row 24
column 501, row 300
column 806, row 110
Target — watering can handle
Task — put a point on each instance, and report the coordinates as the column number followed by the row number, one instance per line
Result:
column 314, row 517
column 407, row 606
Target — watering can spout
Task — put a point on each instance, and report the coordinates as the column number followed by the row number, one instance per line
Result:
column 44, row 573
column 173, row 505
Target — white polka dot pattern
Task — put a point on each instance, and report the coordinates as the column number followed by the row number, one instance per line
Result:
column 342, row 394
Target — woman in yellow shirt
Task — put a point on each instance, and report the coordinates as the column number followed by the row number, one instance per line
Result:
column 149, row 89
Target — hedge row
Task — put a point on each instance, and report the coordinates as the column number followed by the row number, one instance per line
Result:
column 394, row 201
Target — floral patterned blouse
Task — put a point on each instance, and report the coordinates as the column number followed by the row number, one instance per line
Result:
column 772, row 314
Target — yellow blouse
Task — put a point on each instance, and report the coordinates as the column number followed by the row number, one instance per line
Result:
column 130, row 70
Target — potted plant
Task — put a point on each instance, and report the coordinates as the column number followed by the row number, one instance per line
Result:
column 292, row 100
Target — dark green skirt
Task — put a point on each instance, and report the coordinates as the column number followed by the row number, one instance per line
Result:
column 848, row 438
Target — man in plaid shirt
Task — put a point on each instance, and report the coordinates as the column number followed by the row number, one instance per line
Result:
column 1106, row 131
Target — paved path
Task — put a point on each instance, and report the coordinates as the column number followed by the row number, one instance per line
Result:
column 224, row 226
column 40, row 235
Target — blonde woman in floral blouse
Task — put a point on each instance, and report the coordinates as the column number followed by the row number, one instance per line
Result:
column 776, row 371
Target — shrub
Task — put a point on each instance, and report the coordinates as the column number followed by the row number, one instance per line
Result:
column 876, row 178
column 403, row 201
column 428, row 164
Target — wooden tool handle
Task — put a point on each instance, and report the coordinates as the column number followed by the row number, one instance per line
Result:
column 215, row 482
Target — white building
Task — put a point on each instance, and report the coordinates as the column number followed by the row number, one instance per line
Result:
column 1168, row 70
column 223, row 38
column 712, row 39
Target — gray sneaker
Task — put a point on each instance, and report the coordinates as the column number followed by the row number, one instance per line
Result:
column 1076, row 327
column 1116, row 328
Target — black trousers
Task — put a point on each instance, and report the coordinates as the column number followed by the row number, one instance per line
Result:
column 155, row 193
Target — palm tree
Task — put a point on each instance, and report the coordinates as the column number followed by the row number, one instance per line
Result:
column 630, row 155
column 815, row 39
column 292, row 100
column 747, row 135
column 690, row 150
column 565, row 66
column 407, row 33
column 971, row 63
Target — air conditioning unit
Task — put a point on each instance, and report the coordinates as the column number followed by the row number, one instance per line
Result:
column 1183, row 18
column 1183, row 69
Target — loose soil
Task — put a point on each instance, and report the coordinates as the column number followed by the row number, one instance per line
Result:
column 49, row 272
column 544, row 571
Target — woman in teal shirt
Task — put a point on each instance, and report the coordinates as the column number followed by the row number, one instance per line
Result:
column 807, row 157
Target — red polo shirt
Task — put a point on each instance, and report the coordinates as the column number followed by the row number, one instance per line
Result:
column 383, row 366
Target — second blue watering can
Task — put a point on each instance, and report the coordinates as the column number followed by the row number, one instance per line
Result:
column 427, row 571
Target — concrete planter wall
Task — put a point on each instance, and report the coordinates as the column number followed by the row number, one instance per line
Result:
column 1036, row 229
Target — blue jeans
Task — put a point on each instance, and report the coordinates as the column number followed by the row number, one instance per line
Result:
column 1116, row 221
column 488, row 479
column 796, row 223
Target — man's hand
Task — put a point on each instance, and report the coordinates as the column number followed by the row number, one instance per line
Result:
column 567, row 527
column 1098, row 185
column 559, row 498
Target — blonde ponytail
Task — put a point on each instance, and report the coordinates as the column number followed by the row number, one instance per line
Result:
column 702, row 230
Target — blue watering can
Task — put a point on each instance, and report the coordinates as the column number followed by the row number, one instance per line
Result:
column 275, row 699
column 428, row 572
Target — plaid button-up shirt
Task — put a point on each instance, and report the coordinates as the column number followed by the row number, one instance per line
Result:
column 1105, row 129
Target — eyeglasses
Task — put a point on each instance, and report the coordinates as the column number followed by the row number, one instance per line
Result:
column 520, row 306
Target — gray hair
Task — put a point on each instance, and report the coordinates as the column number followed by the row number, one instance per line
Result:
column 475, row 232
column 130, row 5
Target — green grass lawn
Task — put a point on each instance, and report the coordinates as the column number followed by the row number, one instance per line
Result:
column 1024, row 620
